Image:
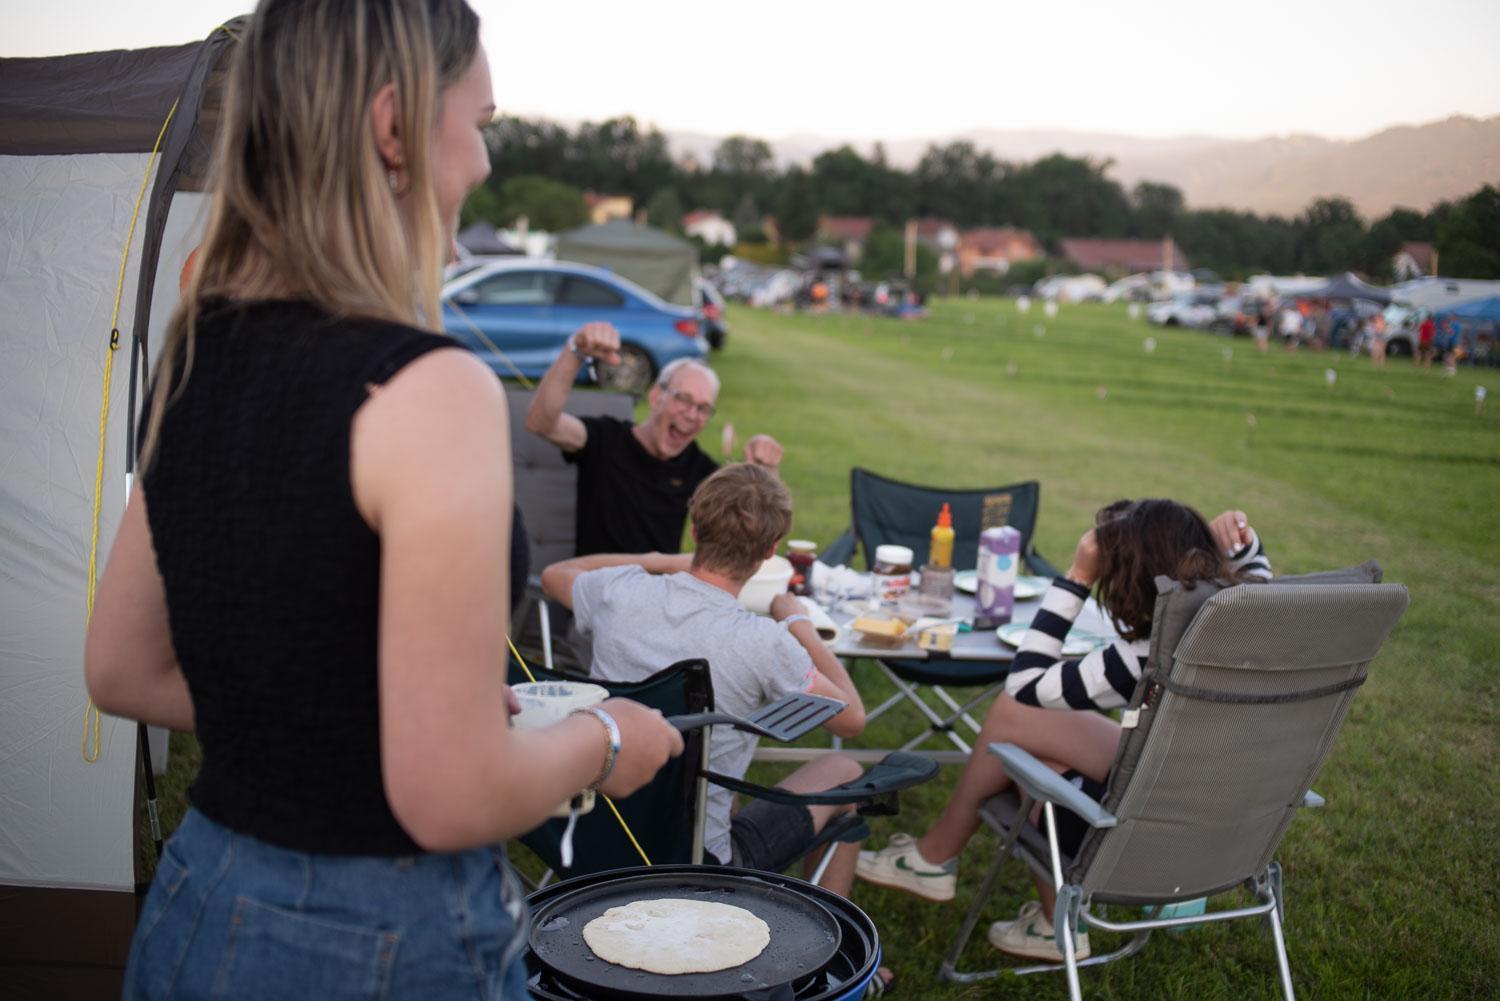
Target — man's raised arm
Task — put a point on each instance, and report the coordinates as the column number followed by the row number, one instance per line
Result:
column 545, row 416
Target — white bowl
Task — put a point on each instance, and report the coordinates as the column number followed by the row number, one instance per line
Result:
column 769, row 581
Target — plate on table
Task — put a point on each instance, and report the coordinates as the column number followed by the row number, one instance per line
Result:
column 1077, row 644
column 1026, row 587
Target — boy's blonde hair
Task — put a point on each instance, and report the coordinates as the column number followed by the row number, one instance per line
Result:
column 739, row 515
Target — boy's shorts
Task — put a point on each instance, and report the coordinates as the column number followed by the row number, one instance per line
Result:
column 769, row 836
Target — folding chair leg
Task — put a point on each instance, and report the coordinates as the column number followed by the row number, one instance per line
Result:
column 1274, row 916
column 949, row 970
column 1065, row 925
column 817, row 875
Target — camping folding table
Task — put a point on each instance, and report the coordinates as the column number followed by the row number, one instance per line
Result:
column 928, row 694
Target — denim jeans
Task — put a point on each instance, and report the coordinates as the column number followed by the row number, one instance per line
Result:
column 230, row 916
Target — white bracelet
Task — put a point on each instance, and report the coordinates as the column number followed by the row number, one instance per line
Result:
column 799, row 617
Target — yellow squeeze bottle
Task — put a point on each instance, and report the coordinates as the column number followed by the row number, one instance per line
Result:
column 940, row 552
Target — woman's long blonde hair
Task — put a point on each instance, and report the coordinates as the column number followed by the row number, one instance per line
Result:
column 302, row 204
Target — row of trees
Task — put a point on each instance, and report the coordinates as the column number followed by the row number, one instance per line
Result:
column 541, row 168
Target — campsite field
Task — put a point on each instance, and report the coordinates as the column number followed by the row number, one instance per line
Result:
column 1392, row 888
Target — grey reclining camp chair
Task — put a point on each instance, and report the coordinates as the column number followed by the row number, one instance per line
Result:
column 1225, row 733
column 547, row 493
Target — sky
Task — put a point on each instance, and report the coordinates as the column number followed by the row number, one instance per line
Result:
column 847, row 69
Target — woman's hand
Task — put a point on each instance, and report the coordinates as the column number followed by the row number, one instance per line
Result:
column 1231, row 531
column 647, row 740
column 1085, row 568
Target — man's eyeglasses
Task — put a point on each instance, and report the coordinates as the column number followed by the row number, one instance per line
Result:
column 686, row 402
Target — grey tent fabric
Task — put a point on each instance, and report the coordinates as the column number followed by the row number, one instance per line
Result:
column 1347, row 286
column 97, row 102
column 481, row 238
column 657, row 261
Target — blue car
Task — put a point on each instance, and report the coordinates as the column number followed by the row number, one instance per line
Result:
column 518, row 313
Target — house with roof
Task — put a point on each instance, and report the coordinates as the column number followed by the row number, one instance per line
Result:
column 995, row 249
column 1124, row 256
column 602, row 208
column 710, row 227
column 849, row 233
column 1414, row 260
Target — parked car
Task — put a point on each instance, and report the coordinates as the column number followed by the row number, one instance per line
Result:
column 518, row 313
column 1192, row 309
column 711, row 306
column 1235, row 315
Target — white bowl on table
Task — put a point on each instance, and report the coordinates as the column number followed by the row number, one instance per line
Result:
column 769, row 581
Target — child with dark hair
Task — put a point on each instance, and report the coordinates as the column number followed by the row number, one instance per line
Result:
column 1131, row 543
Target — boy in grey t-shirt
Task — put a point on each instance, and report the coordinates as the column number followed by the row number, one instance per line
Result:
column 647, row 611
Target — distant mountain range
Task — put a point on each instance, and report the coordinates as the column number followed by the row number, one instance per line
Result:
column 1407, row 165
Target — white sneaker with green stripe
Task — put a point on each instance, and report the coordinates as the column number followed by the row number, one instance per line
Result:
column 900, row 866
column 1031, row 935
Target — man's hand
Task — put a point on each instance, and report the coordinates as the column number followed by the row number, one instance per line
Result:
column 785, row 605
column 763, row 450
column 1231, row 531
column 599, row 340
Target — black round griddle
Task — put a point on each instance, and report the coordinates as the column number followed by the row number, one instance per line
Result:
column 804, row 935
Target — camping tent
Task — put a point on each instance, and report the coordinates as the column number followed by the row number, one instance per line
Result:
column 482, row 238
column 1347, row 286
column 652, row 259
column 1481, row 310
column 100, row 158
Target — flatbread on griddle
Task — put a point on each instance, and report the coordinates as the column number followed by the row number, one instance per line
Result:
column 672, row 935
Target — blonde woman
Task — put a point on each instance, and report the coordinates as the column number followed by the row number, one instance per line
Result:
column 311, row 573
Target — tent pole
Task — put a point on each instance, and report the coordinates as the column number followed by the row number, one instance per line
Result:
column 152, row 812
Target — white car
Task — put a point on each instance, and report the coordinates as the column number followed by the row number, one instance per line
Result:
column 1192, row 309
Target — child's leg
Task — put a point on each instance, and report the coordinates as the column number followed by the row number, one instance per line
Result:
column 1064, row 738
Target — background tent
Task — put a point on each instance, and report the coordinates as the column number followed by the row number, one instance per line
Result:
column 1347, row 286
column 81, row 190
column 482, row 238
column 1479, row 309
column 656, row 261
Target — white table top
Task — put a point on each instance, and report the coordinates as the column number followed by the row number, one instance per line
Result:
column 973, row 645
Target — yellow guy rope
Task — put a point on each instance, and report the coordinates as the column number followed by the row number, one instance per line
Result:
column 91, row 714
column 611, row 803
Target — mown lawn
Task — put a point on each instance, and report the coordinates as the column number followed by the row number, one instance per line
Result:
column 1392, row 889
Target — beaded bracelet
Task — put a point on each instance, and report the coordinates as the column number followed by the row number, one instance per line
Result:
column 612, row 732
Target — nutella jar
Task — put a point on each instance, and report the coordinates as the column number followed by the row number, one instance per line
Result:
column 890, row 577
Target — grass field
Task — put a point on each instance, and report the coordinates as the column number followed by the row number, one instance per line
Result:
column 1392, row 890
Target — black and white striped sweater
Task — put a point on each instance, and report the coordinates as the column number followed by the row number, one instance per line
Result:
column 1105, row 678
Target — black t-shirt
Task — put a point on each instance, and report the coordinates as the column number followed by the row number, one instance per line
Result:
column 629, row 501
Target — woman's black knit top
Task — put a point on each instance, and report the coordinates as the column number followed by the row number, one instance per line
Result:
column 271, row 574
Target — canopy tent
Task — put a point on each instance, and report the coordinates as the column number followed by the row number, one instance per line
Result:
column 1347, row 286
column 483, row 239
column 102, row 157
column 1484, row 310
column 656, row 261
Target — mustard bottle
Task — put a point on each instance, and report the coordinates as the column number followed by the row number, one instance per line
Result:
column 940, row 552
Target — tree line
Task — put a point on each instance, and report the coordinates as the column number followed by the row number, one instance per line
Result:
column 540, row 169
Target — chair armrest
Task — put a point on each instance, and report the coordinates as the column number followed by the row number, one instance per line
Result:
column 1041, row 566
column 842, row 549
column 896, row 771
column 1043, row 784
column 1312, row 801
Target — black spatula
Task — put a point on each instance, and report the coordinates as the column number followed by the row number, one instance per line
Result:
column 784, row 720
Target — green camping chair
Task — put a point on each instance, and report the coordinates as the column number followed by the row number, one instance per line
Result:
column 889, row 511
column 1243, row 694
column 666, row 815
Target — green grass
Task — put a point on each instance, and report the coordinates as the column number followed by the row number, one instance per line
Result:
column 1392, row 888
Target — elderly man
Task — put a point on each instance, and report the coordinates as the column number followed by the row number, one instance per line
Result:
column 634, row 480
